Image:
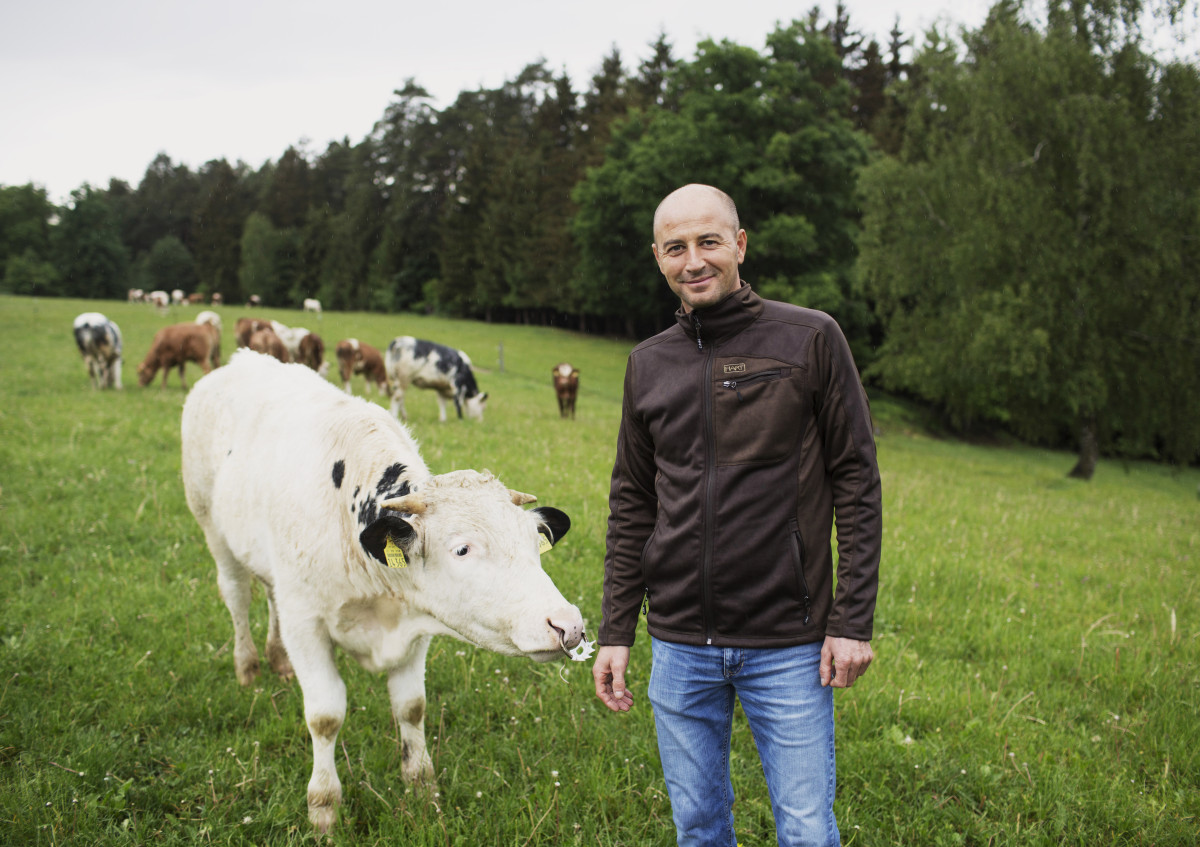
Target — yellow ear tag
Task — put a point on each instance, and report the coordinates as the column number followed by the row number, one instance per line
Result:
column 544, row 544
column 394, row 555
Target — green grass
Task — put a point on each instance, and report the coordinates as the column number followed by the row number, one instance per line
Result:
column 1036, row 679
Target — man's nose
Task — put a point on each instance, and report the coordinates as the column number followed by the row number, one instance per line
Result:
column 694, row 260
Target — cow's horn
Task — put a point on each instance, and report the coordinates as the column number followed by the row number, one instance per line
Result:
column 410, row 504
column 520, row 499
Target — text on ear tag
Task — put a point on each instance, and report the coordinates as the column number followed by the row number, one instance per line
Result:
column 393, row 554
column 544, row 544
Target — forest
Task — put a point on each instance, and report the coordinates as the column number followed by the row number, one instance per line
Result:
column 1003, row 220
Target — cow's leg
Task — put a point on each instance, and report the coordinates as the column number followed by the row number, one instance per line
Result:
column 406, row 689
column 311, row 653
column 441, row 408
column 181, row 380
column 398, row 404
column 277, row 654
column 235, row 583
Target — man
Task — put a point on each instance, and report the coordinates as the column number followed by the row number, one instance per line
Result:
column 744, row 429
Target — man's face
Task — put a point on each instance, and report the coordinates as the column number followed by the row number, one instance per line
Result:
column 697, row 248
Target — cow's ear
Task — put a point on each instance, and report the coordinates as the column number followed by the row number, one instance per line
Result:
column 389, row 539
column 483, row 397
column 552, row 523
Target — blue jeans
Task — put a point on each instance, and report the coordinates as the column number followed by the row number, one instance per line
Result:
column 692, row 690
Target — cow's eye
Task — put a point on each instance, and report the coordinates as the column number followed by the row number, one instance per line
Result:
column 463, row 550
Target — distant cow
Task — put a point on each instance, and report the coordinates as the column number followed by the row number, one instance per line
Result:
column 325, row 499
column 356, row 357
column 99, row 342
column 311, row 304
column 136, row 295
column 194, row 299
column 245, row 327
column 266, row 341
column 217, row 299
column 177, row 297
column 160, row 299
column 303, row 346
column 411, row 361
column 254, row 300
column 176, row 345
column 566, row 386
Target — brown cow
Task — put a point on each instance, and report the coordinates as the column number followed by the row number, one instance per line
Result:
column 266, row 341
column 175, row 345
column 311, row 352
column 354, row 357
column 566, row 386
column 246, row 327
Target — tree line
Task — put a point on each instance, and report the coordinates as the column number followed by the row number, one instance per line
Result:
column 1003, row 221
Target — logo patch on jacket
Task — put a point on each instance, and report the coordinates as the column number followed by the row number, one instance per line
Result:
column 737, row 368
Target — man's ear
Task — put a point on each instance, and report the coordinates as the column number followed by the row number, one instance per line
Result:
column 375, row 537
column 552, row 523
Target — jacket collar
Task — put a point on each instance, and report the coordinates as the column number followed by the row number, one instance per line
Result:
column 727, row 317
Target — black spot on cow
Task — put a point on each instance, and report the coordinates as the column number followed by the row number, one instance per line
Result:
column 339, row 473
column 368, row 511
column 357, row 489
column 389, row 477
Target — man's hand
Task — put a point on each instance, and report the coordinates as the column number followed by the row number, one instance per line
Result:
column 609, row 674
column 843, row 660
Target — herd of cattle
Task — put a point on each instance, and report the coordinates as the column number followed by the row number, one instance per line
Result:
column 407, row 361
column 324, row 499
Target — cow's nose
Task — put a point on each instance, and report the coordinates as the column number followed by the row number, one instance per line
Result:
column 569, row 628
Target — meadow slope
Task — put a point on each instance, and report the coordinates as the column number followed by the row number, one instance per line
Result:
column 1037, row 638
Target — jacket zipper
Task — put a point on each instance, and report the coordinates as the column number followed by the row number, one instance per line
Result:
column 738, row 384
column 696, row 326
column 709, row 484
column 798, row 546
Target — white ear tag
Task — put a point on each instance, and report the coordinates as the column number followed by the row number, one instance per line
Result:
column 544, row 544
column 393, row 554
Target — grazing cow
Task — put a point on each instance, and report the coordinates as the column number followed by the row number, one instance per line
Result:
column 194, row 299
column 177, row 297
column 246, row 327
column 208, row 316
column 566, row 386
column 311, row 304
column 99, row 342
column 254, row 300
column 411, row 361
column 160, row 299
column 266, row 341
column 355, row 357
column 178, row 344
column 325, row 499
column 303, row 346
column 217, row 299
column 136, row 295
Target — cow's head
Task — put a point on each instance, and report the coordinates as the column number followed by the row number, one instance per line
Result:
column 472, row 406
column 471, row 558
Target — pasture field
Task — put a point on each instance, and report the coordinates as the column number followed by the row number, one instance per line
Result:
column 1037, row 675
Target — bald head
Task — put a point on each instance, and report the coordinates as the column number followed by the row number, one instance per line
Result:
column 681, row 200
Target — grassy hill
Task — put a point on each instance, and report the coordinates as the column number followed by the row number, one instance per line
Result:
column 1036, row 679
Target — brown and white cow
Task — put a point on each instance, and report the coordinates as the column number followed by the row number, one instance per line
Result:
column 99, row 342
column 566, row 386
column 325, row 499
column 303, row 346
column 425, row 364
column 357, row 357
column 175, row 346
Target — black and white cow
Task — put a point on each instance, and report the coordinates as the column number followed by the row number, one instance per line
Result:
column 324, row 498
column 99, row 342
column 413, row 361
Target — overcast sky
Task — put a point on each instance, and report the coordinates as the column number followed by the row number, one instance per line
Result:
column 91, row 90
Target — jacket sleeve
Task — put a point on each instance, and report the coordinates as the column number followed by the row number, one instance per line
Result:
column 633, row 507
column 844, row 419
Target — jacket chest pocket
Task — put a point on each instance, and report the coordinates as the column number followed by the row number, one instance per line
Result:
column 758, row 411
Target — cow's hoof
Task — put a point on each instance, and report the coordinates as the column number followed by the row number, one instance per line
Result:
column 247, row 671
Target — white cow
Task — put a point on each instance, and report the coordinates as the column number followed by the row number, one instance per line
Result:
column 99, row 342
column 325, row 499
column 413, row 361
column 311, row 304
